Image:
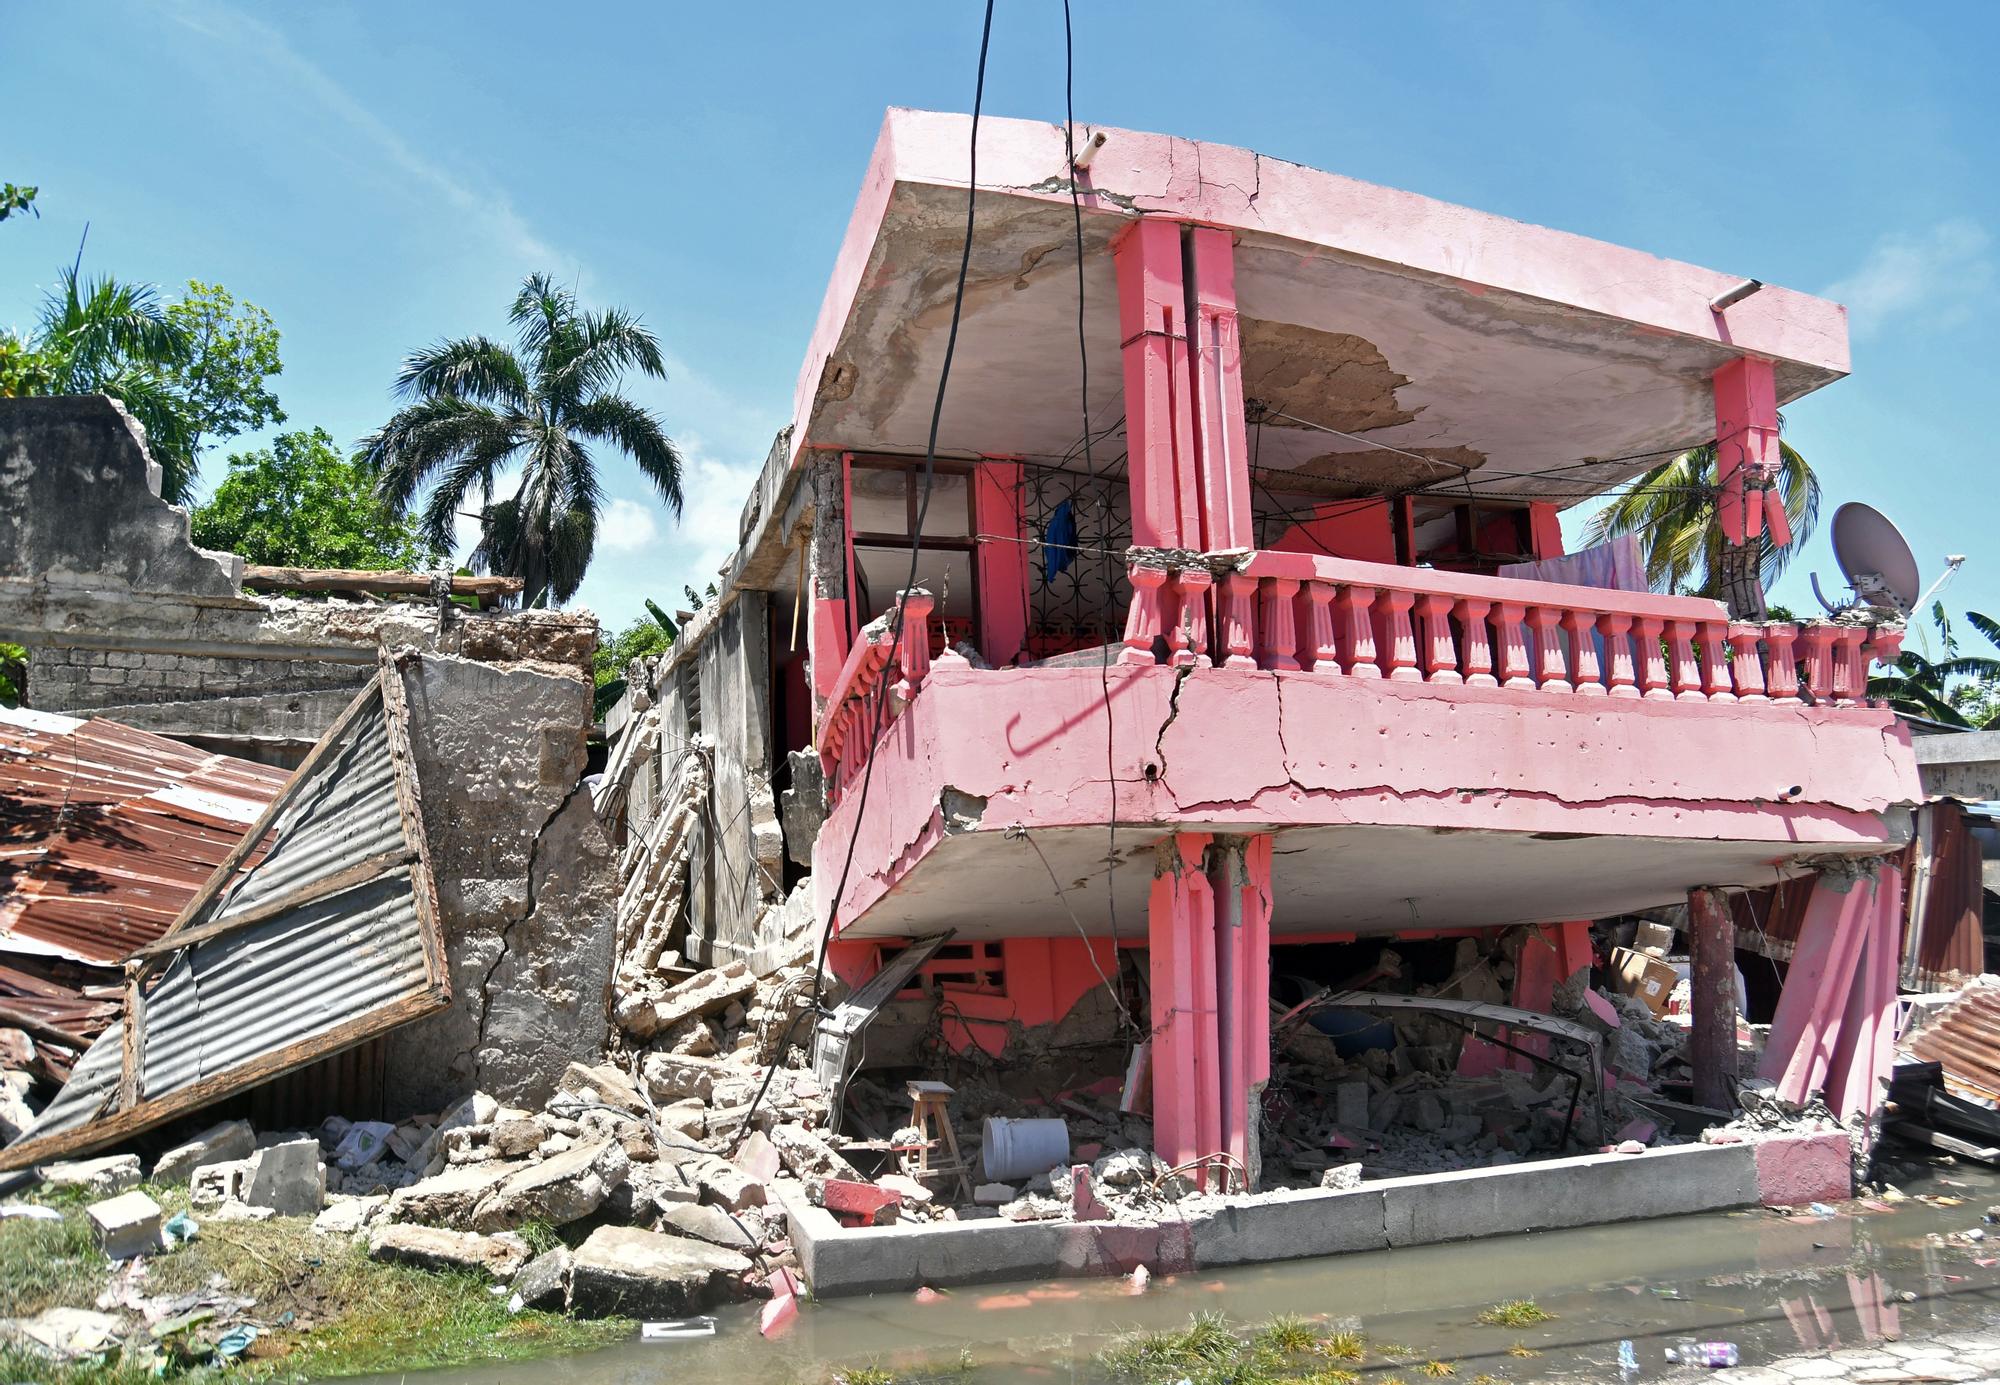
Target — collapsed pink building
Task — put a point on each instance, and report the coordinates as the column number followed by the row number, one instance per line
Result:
column 1289, row 655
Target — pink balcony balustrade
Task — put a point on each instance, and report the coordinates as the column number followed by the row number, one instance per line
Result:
column 1340, row 617
column 883, row 671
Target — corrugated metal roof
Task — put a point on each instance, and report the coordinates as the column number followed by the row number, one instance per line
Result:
column 106, row 832
column 1965, row 1040
column 329, row 939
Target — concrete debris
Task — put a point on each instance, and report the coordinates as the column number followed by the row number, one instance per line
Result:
column 556, row 1191
column 448, row 1198
column 347, row 1216
column 225, row 1141
column 125, row 1225
column 499, row 1258
column 745, row 1231
column 708, row 993
column 543, row 1283
column 993, row 1194
column 94, row 1177
column 623, row 1271
column 1341, row 1178
column 287, row 1178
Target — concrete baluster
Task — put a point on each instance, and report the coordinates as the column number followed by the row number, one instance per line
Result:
column 1400, row 653
column 1512, row 646
column 1440, row 658
column 1143, row 619
column 1885, row 642
column 1551, row 671
column 1178, row 653
column 1686, row 672
column 1357, row 631
column 1314, row 608
column 913, row 649
column 1239, row 596
column 1583, row 664
column 1651, row 654
column 1616, row 630
column 1280, row 638
column 1850, row 666
column 1194, row 584
column 1478, row 642
column 1746, row 663
column 1818, row 640
column 1781, row 668
column 1714, row 635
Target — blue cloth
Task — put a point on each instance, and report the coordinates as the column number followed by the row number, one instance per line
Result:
column 1059, row 541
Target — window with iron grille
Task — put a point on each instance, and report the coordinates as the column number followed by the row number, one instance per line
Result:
column 1078, row 528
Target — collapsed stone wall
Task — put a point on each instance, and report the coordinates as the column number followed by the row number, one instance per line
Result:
column 124, row 618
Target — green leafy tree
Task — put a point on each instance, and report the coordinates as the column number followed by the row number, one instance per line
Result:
column 17, row 199
column 480, row 409
column 300, row 503
column 1672, row 510
column 652, row 634
column 13, row 673
column 191, row 372
column 1958, row 690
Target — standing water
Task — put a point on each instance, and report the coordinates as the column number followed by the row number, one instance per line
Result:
column 1773, row 1286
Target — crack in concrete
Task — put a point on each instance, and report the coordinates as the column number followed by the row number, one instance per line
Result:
column 1173, row 711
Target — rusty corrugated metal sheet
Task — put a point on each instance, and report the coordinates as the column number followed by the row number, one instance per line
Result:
column 1943, row 943
column 107, row 832
column 1965, row 1040
column 328, row 940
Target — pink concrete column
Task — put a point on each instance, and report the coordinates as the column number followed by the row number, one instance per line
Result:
column 1240, row 878
column 1715, row 661
column 1850, row 666
column 1863, row 1055
column 1513, row 645
column 1398, row 639
column 1746, row 662
column 1478, row 643
column 1357, row 631
column 1805, row 1029
column 913, row 644
column 1551, row 672
column 1747, row 456
column 1193, row 585
column 1239, row 596
column 1314, row 611
column 1818, row 640
column 1001, row 560
column 1550, row 954
column 1187, row 1114
column 1712, row 997
column 1616, row 630
column 1280, row 639
column 1440, row 658
column 1222, row 451
column 1152, row 311
column 1647, row 632
column 1781, row 669
column 1581, row 627
column 1144, row 618
column 1686, row 672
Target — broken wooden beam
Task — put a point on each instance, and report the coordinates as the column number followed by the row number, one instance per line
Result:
column 361, row 582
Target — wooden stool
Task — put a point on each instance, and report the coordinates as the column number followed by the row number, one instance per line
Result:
column 930, row 1114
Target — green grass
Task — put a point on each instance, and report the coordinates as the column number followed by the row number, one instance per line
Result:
column 1517, row 1312
column 1344, row 1346
column 349, row 1315
column 1438, row 1370
column 1290, row 1335
column 1209, row 1351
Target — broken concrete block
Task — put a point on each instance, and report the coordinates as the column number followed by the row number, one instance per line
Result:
column 913, row 1193
column 1350, row 1105
column 447, row 1199
column 699, row 995
column 1341, row 1178
column 862, row 1204
column 288, row 1178
column 582, row 1086
column 556, row 1191
column 16, row 1116
column 622, row 1271
column 215, row 1145
column 1124, row 1168
column 993, row 1194
column 1426, row 1112
column 343, row 1216
column 543, row 1282
column 673, row 1077
column 513, row 1139
column 96, row 1177
column 742, row 1231
column 725, row 1185
column 408, row 1139
column 695, row 1038
column 806, row 1156
column 211, row 1185
column 435, row 1248
column 477, row 1109
column 126, row 1225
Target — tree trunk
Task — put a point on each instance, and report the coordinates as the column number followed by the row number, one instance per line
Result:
column 1742, row 583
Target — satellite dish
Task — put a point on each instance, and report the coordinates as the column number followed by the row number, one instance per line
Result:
column 1876, row 560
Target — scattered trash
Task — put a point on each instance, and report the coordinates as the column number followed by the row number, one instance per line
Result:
column 179, row 1230
column 33, row 1211
column 1820, row 1210
column 1714, row 1355
column 1139, row 1279
column 236, row 1341
column 1628, row 1360
column 677, row 1329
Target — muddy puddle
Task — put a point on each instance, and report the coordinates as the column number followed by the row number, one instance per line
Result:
column 1774, row 1286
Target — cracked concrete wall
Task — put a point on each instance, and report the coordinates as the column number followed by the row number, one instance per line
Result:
column 527, row 883
column 124, row 618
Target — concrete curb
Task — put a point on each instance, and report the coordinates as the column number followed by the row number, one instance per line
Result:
column 1585, row 1191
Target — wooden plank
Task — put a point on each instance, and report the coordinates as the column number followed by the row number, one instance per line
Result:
column 346, row 878
column 132, row 1042
column 259, row 577
column 409, row 803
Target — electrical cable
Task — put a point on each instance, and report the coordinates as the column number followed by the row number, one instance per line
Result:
column 916, row 546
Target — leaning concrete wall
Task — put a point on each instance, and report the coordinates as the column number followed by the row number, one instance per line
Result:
column 527, row 882
column 124, row 618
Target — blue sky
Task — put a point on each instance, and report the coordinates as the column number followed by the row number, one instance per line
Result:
column 381, row 175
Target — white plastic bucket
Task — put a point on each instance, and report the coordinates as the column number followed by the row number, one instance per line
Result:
column 1015, row 1149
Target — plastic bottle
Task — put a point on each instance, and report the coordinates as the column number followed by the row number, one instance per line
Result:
column 1628, row 1360
column 1714, row 1355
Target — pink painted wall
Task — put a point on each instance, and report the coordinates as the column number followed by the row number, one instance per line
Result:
column 1043, row 978
column 1344, row 528
column 1307, row 749
column 1003, row 561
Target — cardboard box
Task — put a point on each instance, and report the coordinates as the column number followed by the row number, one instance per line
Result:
column 1643, row 978
column 1653, row 939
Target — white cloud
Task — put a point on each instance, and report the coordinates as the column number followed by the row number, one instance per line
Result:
column 626, row 526
column 262, row 48
column 1936, row 275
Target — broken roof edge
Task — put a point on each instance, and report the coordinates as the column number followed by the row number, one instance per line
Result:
column 130, row 1112
column 1242, row 190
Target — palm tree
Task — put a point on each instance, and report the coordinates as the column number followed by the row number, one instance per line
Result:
column 1959, row 690
column 106, row 337
column 479, row 408
column 1672, row 510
